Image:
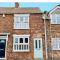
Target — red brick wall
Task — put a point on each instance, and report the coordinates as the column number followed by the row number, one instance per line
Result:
column 55, row 32
column 36, row 27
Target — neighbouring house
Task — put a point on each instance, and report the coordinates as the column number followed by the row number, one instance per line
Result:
column 53, row 44
column 22, row 33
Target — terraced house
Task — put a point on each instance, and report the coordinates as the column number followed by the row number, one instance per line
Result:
column 21, row 33
column 54, row 46
column 29, row 34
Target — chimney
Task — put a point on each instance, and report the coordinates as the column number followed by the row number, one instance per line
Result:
column 16, row 4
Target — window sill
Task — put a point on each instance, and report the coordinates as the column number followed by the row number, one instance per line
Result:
column 56, row 49
column 21, row 51
column 55, row 23
column 21, row 28
column 2, row 58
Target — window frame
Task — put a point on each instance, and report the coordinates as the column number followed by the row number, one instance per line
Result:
column 56, row 22
column 36, row 40
column 52, row 44
column 19, row 15
column 21, row 36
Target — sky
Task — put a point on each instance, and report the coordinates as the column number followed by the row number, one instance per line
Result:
column 44, row 6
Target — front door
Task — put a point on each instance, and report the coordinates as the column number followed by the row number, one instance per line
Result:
column 38, row 52
column 2, row 48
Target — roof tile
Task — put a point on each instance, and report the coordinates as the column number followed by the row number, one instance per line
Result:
column 11, row 10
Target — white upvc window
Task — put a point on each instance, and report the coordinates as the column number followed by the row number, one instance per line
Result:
column 55, row 18
column 21, row 21
column 55, row 43
column 20, row 43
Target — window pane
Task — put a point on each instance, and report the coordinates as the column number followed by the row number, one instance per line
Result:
column 58, row 18
column 55, row 43
column 59, row 43
column 17, row 25
column 16, row 40
column 27, row 47
column 25, row 25
column 21, row 19
column 22, row 25
column 19, row 47
column 15, row 47
column 17, row 19
column 26, row 19
column 26, row 40
column 39, row 44
column 21, row 40
column 24, row 47
column 36, row 44
column 53, row 18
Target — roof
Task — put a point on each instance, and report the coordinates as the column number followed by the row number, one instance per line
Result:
column 55, row 8
column 58, row 5
column 12, row 10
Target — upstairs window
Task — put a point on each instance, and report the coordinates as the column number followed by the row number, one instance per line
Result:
column 21, row 21
column 55, row 18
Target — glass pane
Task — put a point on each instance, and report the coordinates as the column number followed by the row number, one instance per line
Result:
column 59, row 43
column 14, row 47
column 21, row 40
column 27, row 47
column 26, row 40
column 22, row 25
column 36, row 44
column 24, row 47
column 2, row 40
column 55, row 43
column 58, row 18
column 17, row 25
column 21, row 18
column 26, row 19
column 27, row 25
column 39, row 44
column 53, row 18
column 16, row 40
column 17, row 19
column 19, row 47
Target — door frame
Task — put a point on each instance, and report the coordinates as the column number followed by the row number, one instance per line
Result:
column 4, row 36
column 41, row 43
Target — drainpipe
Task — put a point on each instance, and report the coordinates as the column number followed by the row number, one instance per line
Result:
column 44, row 15
column 51, row 37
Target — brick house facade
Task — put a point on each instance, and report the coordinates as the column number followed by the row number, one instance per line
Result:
column 19, row 43
column 29, row 34
column 55, row 33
